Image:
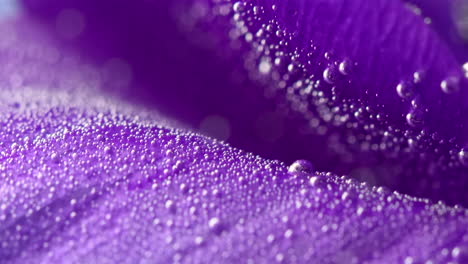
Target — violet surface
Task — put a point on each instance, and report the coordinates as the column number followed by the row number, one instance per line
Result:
column 88, row 175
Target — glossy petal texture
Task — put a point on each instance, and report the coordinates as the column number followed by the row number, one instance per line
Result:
column 83, row 183
column 371, row 89
column 86, row 179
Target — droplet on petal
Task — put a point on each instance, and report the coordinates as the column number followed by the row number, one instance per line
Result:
column 215, row 225
column 303, row 166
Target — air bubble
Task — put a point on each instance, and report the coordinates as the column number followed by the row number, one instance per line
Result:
column 416, row 102
column 279, row 257
column 215, row 225
column 238, row 7
column 450, row 85
column 289, row 233
column 317, row 181
column 170, row 206
column 418, row 76
column 199, row 240
column 302, row 166
column 359, row 211
column 463, row 156
column 465, row 69
column 329, row 75
column 405, row 90
column 415, row 118
column 256, row 10
column 265, row 66
column 345, row 67
column 270, row 238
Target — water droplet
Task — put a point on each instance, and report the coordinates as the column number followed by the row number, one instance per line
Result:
column 415, row 118
column 455, row 252
column 412, row 143
column 465, row 69
column 463, row 156
column 238, row 6
column 215, row 225
column 317, row 181
column 345, row 67
column 418, row 76
column 450, row 85
column 409, row 260
column 416, row 102
column 170, row 205
column 344, row 196
column 55, row 157
column 256, row 10
column 248, row 37
column 108, row 150
column 303, row 166
column 289, row 233
column 265, row 66
column 359, row 211
column 330, row 75
column 405, row 90
column 198, row 240
column 270, row 238
column 279, row 257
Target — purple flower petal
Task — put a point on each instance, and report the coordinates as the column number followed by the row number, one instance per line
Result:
column 87, row 179
column 374, row 90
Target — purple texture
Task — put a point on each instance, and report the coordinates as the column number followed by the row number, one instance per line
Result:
column 95, row 170
column 375, row 90
column 89, row 181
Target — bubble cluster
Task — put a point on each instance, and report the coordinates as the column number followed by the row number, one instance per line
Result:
column 326, row 89
column 87, row 179
column 167, row 195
